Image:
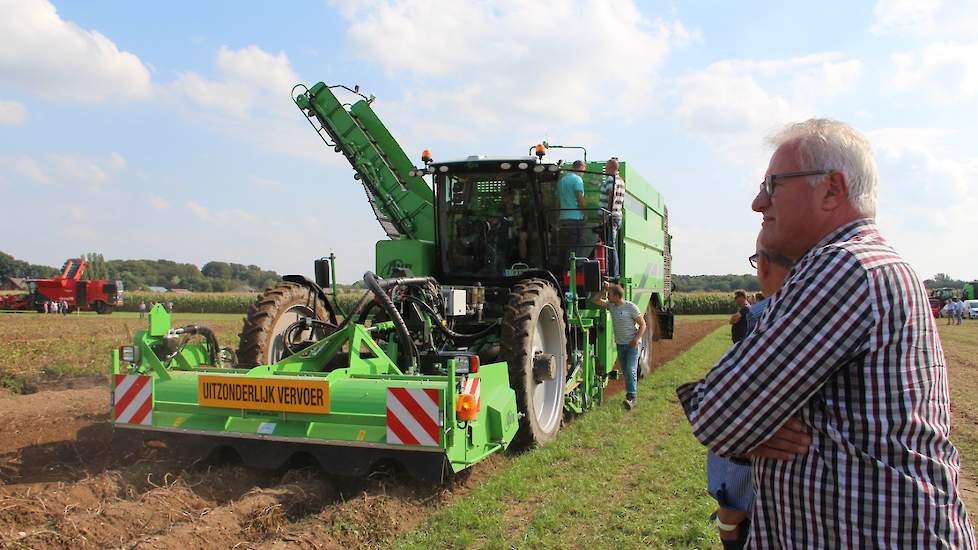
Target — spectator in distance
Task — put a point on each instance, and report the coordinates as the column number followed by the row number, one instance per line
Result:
column 738, row 321
column 839, row 396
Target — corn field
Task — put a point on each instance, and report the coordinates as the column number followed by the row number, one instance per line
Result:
column 685, row 303
column 703, row 303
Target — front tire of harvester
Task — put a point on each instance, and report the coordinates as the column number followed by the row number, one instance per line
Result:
column 101, row 308
column 261, row 338
column 533, row 325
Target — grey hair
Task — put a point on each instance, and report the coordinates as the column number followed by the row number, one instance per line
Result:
column 826, row 144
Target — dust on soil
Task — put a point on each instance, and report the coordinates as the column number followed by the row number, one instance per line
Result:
column 60, row 487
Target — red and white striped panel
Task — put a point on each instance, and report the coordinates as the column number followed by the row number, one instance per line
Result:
column 133, row 398
column 471, row 387
column 414, row 416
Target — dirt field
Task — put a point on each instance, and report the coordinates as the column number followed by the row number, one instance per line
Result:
column 59, row 487
column 51, row 352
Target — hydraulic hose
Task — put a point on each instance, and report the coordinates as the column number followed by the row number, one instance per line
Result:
column 447, row 331
column 405, row 281
column 208, row 334
column 403, row 335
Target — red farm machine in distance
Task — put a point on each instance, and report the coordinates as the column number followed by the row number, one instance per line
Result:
column 100, row 295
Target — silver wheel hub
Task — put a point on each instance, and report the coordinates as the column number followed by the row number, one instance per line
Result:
column 276, row 349
column 548, row 395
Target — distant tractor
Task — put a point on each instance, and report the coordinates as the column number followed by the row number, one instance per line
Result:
column 101, row 296
column 474, row 334
column 970, row 291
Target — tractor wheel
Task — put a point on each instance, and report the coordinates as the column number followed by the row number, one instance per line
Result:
column 261, row 337
column 534, row 344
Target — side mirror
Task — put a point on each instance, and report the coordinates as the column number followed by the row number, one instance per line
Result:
column 321, row 267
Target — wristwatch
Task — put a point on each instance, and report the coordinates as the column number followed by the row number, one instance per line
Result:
column 726, row 526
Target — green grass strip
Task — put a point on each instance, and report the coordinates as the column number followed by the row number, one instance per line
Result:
column 612, row 479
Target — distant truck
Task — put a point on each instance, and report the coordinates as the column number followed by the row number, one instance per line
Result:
column 100, row 295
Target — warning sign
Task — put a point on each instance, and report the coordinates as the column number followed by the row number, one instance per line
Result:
column 264, row 394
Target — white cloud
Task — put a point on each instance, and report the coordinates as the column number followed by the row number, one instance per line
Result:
column 265, row 183
column 12, row 113
column 221, row 216
column 29, row 168
column 248, row 99
column 927, row 196
column 948, row 71
column 56, row 59
column 65, row 168
column 246, row 78
column 728, row 103
column 934, row 18
column 495, row 65
column 157, row 202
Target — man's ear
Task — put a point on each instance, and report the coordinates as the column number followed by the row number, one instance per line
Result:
column 834, row 192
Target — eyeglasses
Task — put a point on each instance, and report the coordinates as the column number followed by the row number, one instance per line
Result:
column 772, row 179
column 752, row 260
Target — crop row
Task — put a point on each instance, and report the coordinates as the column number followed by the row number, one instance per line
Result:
column 209, row 302
column 703, row 303
column 693, row 303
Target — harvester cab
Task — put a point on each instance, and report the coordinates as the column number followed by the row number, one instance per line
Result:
column 473, row 335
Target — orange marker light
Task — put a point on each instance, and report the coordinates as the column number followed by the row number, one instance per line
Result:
column 540, row 150
column 473, row 364
column 466, row 407
column 426, row 156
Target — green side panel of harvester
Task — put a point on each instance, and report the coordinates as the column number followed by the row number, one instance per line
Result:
column 398, row 198
column 643, row 238
column 416, row 257
column 357, row 411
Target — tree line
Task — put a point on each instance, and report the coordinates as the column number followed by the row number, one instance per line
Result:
column 12, row 267
column 226, row 276
column 730, row 283
column 142, row 274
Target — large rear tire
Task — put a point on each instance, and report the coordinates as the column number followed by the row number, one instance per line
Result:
column 534, row 344
column 261, row 339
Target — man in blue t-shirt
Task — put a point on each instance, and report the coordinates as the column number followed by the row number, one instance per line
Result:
column 570, row 191
column 728, row 481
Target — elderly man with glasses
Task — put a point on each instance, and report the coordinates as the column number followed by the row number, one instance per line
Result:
column 839, row 396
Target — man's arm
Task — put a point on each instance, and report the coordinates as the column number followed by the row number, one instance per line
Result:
column 817, row 324
column 640, row 321
column 600, row 298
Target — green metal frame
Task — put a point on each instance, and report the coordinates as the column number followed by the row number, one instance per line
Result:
column 357, row 395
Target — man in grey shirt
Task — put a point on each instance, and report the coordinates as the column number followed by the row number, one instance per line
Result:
column 629, row 325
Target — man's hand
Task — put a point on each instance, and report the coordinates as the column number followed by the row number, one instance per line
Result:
column 634, row 342
column 788, row 443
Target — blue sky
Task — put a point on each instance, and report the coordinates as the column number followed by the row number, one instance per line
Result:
column 166, row 130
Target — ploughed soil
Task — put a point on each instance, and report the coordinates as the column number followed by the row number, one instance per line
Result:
column 61, row 487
